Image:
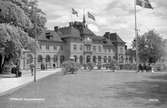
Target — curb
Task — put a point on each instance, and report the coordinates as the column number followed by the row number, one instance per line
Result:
column 10, row 91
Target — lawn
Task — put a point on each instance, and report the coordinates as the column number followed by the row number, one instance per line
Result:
column 94, row 89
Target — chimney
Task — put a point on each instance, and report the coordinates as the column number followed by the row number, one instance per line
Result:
column 56, row 28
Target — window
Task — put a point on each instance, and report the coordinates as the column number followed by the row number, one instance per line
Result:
column 88, row 59
column 94, row 48
column 105, row 50
column 40, row 46
column 61, row 48
column 109, row 59
column 55, row 47
column 99, row 48
column 62, row 58
column 81, row 59
column 75, row 58
column 88, row 47
column 94, row 59
column 47, row 58
column 80, row 47
column 29, row 59
column 47, row 46
column 109, row 50
column 75, row 47
column 55, row 58
column 105, row 59
column 121, row 50
column 99, row 58
column 39, row 58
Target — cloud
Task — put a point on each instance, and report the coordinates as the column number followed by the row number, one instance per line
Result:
column 111, row 16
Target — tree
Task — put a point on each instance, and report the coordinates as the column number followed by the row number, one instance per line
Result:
column 19, row 21
column 150, row 47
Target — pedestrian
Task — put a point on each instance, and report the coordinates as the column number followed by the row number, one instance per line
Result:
column 140, row 68
column 32, row 68
column 144, row 67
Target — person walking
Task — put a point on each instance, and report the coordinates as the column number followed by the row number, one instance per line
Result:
column 140, row 68
column 32, row 69
column 144, row 67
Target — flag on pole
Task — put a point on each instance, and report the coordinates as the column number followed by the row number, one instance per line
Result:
column 144, row 4
column 91, row 16
column 74, row 12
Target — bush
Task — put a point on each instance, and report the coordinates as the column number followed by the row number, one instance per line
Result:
column 90, row 65
column 70, row 67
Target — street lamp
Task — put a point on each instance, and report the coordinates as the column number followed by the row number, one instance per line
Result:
column 35, row 34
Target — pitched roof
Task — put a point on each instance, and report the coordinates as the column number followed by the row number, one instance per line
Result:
column 50, row 35
column 116, row 38
column 94, row 37
column 66, row 32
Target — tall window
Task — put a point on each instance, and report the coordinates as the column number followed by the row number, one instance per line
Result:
column 99, row 48
column 88, row 47
column 88, row 58
column 105, row 50
column 55, row 47
column 121, row 50
column 81, row 59
column 29, row 59
column 94, row 48
column 75, row 58
column 47, row 46
column 94, row 59
column 40, row 46
column 80, row 47
column 62, row 58
column 105, row 59
column 61, row 47
column 55, row 58
column 75, row 47
column 99, row 58
column 39, row 58
column 47, row 58
column 109, row 50
column 109, row 59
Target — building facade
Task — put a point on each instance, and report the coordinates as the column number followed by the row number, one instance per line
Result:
column 79, row 42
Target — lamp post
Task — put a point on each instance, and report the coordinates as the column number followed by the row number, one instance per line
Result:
column 35, row 34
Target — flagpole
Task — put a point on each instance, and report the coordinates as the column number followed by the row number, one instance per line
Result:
column 71, row 18
column 136, row 35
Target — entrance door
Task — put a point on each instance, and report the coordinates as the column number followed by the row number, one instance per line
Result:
column 88, row 59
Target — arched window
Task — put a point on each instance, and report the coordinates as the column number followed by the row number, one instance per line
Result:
column 94, row 59
column 29, row 58
column 47, row 58
column 121, row 59
column 75, row 58
column 39, row 58
column 109, row 59
column 62, row 58
column 105, row 59
column 55, row 58
column 99, row 58
column 81, row 59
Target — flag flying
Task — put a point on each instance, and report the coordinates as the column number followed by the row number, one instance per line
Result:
column 144, row 3
column 91, row 16
column 74, row 12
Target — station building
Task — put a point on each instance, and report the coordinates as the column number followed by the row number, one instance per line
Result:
column 79, row 42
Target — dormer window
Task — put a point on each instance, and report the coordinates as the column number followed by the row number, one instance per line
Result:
column 48, row 36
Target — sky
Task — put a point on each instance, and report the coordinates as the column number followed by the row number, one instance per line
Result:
column 111, row 16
